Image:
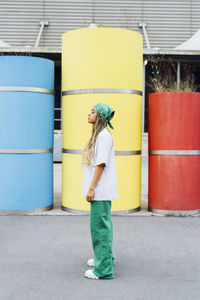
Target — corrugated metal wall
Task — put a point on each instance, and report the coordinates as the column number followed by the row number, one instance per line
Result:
column 169, row 23
column 19, row 21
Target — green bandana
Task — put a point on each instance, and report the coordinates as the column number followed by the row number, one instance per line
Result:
column 105, row 112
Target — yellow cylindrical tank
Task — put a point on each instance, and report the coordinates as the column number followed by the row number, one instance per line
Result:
column 102, row 65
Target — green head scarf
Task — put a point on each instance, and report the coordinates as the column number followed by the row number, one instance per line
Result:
column 105, row 111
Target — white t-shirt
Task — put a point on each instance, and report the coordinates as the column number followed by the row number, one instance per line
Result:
column 106, row 188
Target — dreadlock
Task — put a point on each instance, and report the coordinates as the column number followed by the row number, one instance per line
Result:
column 88, row 152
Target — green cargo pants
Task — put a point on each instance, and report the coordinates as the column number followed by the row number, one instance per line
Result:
column 101, row 228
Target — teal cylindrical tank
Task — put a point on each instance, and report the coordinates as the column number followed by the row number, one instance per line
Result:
column 26, row 134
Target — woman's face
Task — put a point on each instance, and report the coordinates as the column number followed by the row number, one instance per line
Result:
column 92, row 116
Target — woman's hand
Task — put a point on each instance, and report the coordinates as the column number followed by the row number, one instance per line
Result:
column 90, row 196
column 97, row 174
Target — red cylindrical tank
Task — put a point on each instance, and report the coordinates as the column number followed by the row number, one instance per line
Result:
column 174, row 152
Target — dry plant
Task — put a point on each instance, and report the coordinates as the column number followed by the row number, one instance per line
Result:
column 164, row 76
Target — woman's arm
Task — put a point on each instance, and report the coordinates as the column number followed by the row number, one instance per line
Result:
column 97, row 175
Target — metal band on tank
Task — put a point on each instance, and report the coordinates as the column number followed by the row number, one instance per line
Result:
column 101, row 91
column 74, row 151
column 136, row 152
column 7, row 151
column 25, row 89
column 25, row 211
column 174, row 152
column 175, row 212
column 115, row 212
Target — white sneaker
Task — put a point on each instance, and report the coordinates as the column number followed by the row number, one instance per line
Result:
column 89, row 274
column 90, row 262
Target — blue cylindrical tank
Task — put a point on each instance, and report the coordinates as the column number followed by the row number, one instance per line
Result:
column 26, row 134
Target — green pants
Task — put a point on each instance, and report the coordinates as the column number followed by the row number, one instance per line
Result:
column 101, row 228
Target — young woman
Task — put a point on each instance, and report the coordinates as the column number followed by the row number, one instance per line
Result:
column 100, row 187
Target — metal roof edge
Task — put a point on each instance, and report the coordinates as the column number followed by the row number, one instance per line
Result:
column 146, row 51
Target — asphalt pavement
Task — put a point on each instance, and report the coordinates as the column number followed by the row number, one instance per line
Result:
column 44, row 258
